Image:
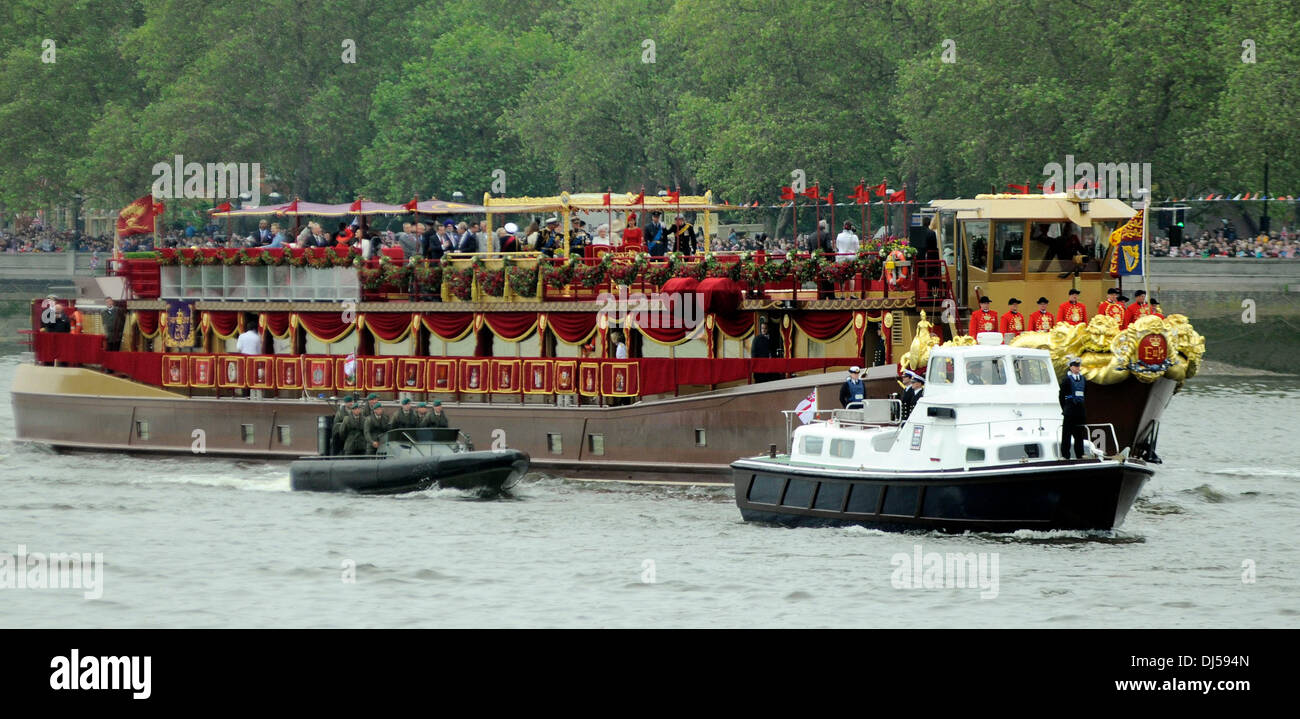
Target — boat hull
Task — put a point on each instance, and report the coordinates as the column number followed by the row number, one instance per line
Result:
column 1077, row 495
column 489, row 472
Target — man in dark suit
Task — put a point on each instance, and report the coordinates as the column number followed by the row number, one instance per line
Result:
column 111, row 318
column 682, row 236
column 654, row 234
column 762, row 348
column 1072, row 426
column 264, row 235
column 469, row 241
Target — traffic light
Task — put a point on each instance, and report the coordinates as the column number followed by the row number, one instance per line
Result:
column 1175, row 235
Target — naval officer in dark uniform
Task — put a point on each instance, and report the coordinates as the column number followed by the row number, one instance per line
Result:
column 1072, row 429
column 853, row 390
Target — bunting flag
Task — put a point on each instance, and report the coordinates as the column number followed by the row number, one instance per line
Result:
column 880, row 190
column 813, row 193
column 137, row 218
column 787, row 193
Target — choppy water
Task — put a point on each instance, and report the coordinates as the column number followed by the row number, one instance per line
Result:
column 210, row 543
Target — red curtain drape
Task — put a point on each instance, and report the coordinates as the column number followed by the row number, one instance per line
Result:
column 68, row 348
column 572, row 327
column 388, row 326
column 143, row 367
column 680, row 285
column 325, row 326
column 224, row 322
column 667, row 335
column 738, row 324
column 147, row 321
column 511, row 325
column 277, row 322
column 448, row 325
column 823, row 325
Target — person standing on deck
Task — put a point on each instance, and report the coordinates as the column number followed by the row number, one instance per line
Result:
column 354, row 431
column 1072, row 411
column 853, row 390
column 1111, row 307
column 984, row 319
column 1012, row 322
column 846, row 244
column 1072, row 312
column 1043, row 319
column 376, row 425
column 438, row 418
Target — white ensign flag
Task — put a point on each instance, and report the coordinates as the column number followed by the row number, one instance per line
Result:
column 808, row 407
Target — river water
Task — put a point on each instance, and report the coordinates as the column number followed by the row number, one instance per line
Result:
column 193, row 542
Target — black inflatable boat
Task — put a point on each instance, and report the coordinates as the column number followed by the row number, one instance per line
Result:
column 412, row 460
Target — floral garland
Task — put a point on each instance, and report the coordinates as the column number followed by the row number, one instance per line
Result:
column 459, row 283
column 491, row 282
column 625, row 273
column 557, row 275
column 659, row 274
column 591, row 276
column 748, row 272
column 779, row 271
column 523, row 280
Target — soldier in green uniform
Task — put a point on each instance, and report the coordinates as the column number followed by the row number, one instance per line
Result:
column 437, row 418
column 340, row 416
column 372, row 399
column 376, row 425
column 421, row 417
column 404, row 417
column 353, row 430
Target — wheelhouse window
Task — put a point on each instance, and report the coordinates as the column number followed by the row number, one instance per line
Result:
column 812, row 444
column 1053, row 246
column 942, row 371
column 1031, row 370
column 988, row 370
column 1009, row 249
column 842, row 448
column 977, row 243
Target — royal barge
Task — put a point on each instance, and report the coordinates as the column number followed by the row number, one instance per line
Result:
column 523, row 349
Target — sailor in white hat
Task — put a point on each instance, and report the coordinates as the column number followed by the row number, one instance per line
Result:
column 915, row 387
column 853, row 389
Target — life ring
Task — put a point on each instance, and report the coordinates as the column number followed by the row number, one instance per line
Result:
column 897, row 271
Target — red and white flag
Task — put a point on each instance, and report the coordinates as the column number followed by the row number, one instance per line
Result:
column 350, row 365
column 807, row 408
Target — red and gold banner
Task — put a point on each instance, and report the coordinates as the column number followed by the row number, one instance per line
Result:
column 566, row 377
column 379, row 373
column 342, row 381
column 261, row 372
column 288, row 373
column 619, row 379
column 410, row 374
column 589, row 379
column 137, row 217
column 474, row 376
column 317, row 373
column 202, row 371
column 174, row 372
column 230, row 371
column 441, row 375
column 538, row 377
column 505, row 376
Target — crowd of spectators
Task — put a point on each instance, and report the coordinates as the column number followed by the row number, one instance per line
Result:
column 1284, row 244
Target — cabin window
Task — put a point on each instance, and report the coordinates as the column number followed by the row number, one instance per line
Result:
column 246, row 431
column 812, row 445
column 1020, row 451
column 596, row 444
column 974, row 454
column 942, row 371
column 282, row 431
column 701, row 439
column 977, row 243
column 554, row 443
column 1009, row 249
column 842, row 448
column 142, row 428
column 988, row 370
column 1031, row 370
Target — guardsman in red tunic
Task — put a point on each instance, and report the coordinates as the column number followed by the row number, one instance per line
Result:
column 1072, row 312
column 1012, row 322
column 1112, row 307
column 1138, row 309
column 1043, row 319
column 983, row 319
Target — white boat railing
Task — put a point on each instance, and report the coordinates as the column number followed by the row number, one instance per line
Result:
column 851, row 416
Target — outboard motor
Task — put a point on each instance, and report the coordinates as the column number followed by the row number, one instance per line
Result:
column 324, row 431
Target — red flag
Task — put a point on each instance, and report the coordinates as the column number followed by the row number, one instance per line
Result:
column 787, row 193
column 899, row 196
column 830, row 197
column 604, row 200
column 1050, row 188
column 223, row 207
column 813, row 192
column 861, row 195
column 292, row 207
column 675, row 196
column 638, row 200
column 880, row 190
column 1024, row 189
column 412, row 205
column 755, row 204
column 137, row 217
column 356, row 206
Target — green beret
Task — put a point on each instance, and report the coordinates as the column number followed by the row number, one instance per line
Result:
column 437, row 403
column 379, row 405
column 406, row 400
column 425, row 405
column 372, row 395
